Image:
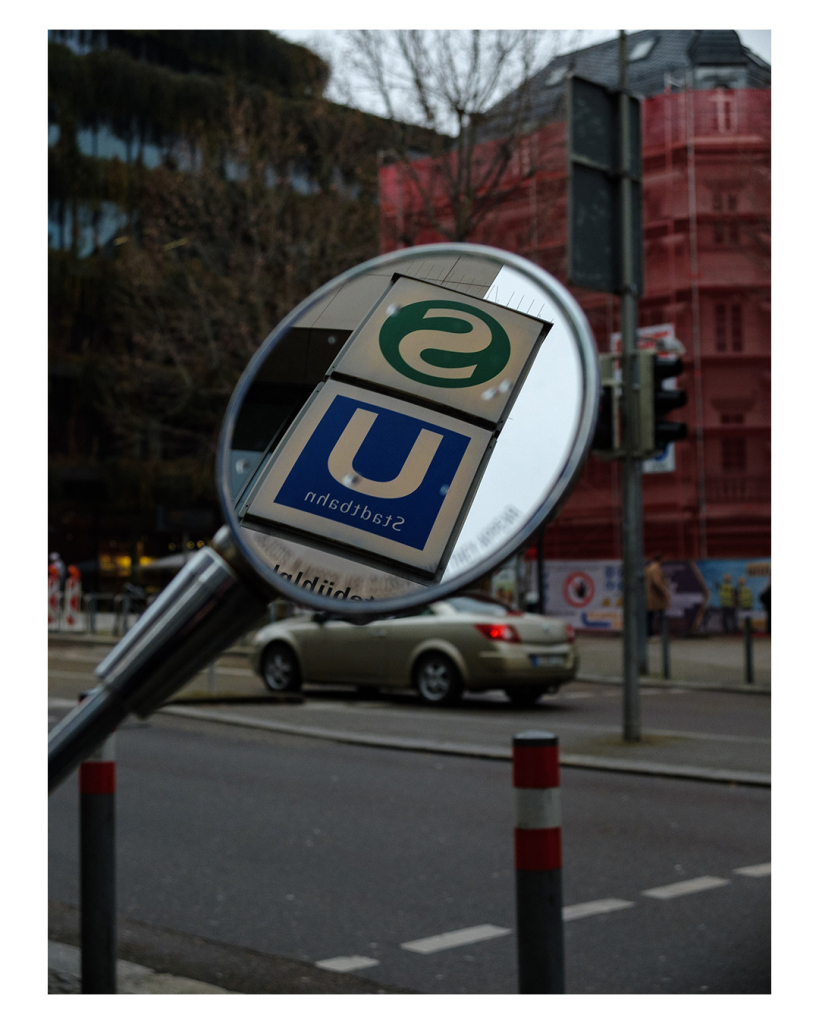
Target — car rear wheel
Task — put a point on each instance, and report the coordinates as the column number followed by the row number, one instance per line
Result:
column 528, row 696
column 437, row 679
column 280, row 669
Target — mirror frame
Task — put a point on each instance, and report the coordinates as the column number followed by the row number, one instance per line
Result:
column 559, row 492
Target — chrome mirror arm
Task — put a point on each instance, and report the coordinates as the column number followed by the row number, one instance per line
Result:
column 209, row 604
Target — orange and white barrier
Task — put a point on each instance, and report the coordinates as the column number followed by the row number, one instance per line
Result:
column 73, row 596
column 53, row 597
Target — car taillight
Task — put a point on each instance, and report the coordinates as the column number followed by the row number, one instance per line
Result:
column 570, row 633
column 498, row 632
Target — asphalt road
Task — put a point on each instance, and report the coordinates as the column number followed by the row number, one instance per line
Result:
column 317, row 851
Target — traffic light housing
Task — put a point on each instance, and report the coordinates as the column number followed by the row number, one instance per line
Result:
column 606, row 442
column 665, row 400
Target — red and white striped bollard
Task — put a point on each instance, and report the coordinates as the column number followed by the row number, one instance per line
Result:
column 538, row 863
column 98, row 908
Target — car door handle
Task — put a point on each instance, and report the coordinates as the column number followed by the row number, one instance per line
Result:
column 379, row 632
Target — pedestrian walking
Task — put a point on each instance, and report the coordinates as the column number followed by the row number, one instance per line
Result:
column 58, row 565
column 658, row 595
column 765, row 601
column 728, row 604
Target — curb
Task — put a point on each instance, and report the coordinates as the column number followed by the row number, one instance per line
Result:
column 184, row 963
column 670, row 684
column 721, row 775
column 239, row 650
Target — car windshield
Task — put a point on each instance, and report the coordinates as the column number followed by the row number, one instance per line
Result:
column 480, row 606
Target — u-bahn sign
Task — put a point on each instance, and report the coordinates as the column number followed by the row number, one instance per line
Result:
column 386, row 456
column 374, row 473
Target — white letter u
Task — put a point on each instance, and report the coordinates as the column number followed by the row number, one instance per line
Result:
column 340, row 462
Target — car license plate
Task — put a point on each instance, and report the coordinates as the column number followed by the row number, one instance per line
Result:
column 547, row 660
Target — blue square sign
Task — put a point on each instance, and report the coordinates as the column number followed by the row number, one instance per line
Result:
column 379, row 474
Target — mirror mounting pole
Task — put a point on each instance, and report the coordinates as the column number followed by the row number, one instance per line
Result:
column 211, row 602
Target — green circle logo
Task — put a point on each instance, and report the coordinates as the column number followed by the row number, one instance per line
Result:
column 457, row 368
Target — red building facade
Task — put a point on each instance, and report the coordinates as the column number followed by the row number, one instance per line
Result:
column 706, row 220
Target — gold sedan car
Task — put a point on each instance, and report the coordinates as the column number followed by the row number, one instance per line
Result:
column 469, row 642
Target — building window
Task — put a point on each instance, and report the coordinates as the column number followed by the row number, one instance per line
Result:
column 723, row 112
column 732, row 419
column 728, row 326
column 719, row 232
column 737, row 337
column 720, row 327
column 733, row 455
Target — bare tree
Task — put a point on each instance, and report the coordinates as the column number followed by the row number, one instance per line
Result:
column 470, row 91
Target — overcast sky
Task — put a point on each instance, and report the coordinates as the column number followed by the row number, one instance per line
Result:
column 326, row 42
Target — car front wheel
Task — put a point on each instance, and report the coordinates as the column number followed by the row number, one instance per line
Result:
column 280, row 669
column 437, row 679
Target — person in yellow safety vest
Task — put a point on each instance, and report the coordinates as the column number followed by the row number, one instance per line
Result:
column 745, row 599
column 728, row 604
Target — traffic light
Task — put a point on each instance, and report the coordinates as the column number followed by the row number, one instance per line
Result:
column 665, row 400
column 606, row 442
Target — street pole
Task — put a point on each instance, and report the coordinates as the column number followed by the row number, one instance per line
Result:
column 633, row 598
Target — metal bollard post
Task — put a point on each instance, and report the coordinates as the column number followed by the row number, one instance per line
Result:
column 98, row 958
column 538, row 863
column 666, row 649
column 749, row 651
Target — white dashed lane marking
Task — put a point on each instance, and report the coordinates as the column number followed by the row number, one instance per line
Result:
column 467, row 936
column 594, row 907
column 343, row 964
column 754, row 870
column 449, row 940
column 690, row 885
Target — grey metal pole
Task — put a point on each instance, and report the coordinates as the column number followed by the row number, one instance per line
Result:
column 633, row 585
column 749, row 651
column 666, row 648
column 98, row 904
column 538, row 863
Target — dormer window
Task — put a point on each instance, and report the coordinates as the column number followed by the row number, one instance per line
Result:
column 642, row 49
column 556, row 75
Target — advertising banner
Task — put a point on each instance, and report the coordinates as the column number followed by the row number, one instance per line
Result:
column 756, row 577
column 589, row 594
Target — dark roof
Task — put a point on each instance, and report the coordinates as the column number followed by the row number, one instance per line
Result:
column 656, row 55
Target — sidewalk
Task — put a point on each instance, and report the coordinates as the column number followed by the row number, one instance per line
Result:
column 159, row 961
column 715, row 662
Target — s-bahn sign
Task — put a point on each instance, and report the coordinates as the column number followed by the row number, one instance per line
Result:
column 384, row 460
column 438, row 345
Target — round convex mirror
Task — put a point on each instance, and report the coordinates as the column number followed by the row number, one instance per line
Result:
column 407, row 427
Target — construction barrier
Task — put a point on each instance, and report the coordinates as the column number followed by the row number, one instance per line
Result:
column 72, row 618
column 53, row 598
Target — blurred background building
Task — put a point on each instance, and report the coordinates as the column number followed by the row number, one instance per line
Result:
column 201, row 185
column 706, row 132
